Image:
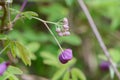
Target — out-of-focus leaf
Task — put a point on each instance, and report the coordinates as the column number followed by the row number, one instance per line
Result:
column 14, row 11
column 58, row 74
column 69, row 2
column 115, row 23
column 24, row 53
column 70, row 63
column 13, row 77
column 43, row 37
column 3, row 37
column 53, row 10
column 102, row 57
column 49, row 59
column 107, row 8
column 14, row 70
column 77, row 74
column 72, row 39
column 112, row 73
column 1, row 60
column 13, row 49
column 66, row 76
column 33, row 47
column 105, row 3
column 115, row 54
column 29, row 14
column 5, row 76
column 74, row 76
column 10, row 73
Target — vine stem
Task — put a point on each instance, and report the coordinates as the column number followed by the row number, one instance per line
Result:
column 45, row 23
column 98, row 36
column 4, row 49
column 21, row 9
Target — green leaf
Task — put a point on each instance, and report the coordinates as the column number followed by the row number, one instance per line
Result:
column 69, row 2
column 3, row 37
column 77, row 74
column 5, row 76
column 72, row 39
column 115, row 54
column 49, row 59
column 73, row 74
column 13, row 77
column 70, row 63
column 53, row 10
column 13, row 48
column 112, row 73
column 14, row 70
column 14, row 11
column 102, row 57
column 33, row 47
column 29, row 14
column 58, row 74
column 24, row 53
column 66, row 76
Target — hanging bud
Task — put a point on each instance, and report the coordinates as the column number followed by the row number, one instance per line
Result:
column 66, row 27
column 60, row 34
column 65, row 56
column 58, row 30
column 3, row 67
column 66, row 33
column 65, row 21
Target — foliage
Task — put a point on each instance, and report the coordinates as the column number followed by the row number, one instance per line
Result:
column 31, row 43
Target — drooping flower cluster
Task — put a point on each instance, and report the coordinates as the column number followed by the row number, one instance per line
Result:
column 64, row 31
column 65, row 56
column 3, row 67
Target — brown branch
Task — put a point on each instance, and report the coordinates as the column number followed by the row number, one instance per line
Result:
column 3, row 18
column 21, row 9
column 98, row 36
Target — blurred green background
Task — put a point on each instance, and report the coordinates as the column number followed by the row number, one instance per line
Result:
column 86, row 50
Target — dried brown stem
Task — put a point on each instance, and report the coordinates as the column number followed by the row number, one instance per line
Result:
column 3, row 18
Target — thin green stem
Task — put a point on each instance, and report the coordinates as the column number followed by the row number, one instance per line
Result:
column 4, row 49
column 49, row 22
column 54, row 36
column 45, row 23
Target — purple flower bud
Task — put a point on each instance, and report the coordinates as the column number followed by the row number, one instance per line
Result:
column 58, row 30
column 3, row 67
column 66, row 33
column 60, row 34
column 65, row 56
column 65, row 21
column 104, row 65
column 66, row 27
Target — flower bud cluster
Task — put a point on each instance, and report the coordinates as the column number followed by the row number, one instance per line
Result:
column 64, row 31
